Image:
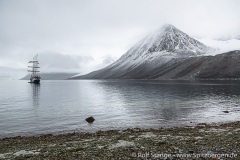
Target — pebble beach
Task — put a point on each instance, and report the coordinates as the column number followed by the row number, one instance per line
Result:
column 203, row 141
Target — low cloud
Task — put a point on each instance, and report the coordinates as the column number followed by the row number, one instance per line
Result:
column 75, row 35
column 54, row 62
column 58, row 62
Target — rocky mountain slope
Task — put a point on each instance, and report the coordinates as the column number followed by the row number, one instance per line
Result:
column 169, row 54
column 222, row 66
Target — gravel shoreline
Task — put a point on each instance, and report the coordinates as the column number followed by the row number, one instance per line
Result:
column 203, row 141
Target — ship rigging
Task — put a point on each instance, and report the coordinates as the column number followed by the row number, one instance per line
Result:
column 34, row 78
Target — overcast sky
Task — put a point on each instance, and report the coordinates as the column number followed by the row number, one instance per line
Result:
column 84, row 35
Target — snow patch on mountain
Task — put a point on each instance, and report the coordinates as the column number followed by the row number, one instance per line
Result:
column 237, row 37
column 221, row 46
column 169, row 39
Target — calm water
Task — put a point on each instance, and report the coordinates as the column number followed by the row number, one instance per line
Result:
column 60, row 106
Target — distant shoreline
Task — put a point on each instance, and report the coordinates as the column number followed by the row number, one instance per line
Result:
column 201, row 140
column 69, row 79
column 220, row 79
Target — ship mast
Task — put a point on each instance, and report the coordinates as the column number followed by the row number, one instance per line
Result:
column 34, row 66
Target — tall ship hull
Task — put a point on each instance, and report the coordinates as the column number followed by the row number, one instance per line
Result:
column 35, row 77
column 35, row 81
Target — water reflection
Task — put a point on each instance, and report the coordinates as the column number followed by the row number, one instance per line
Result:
column 35, row 94
column 160, row 103
column 63, row 105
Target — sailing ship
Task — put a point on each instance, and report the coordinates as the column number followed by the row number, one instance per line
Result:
column 35, row 78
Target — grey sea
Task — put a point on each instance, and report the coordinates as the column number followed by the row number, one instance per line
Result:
column 63, row 106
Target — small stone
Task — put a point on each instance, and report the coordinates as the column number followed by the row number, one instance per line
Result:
column 226, row 111
column 90, row 119
column 191, row 151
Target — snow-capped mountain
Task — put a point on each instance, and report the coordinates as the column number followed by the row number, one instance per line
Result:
column 166, row 43
column 168, row 39
column 159, row 54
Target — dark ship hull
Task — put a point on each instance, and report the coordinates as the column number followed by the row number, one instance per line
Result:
column 35, row 81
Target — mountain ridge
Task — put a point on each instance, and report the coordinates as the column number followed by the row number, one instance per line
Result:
column 52, row 76
column 157, row 55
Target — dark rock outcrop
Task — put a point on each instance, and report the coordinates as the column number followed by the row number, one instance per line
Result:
column 90, row 119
